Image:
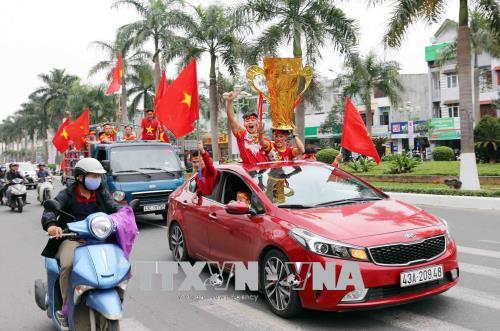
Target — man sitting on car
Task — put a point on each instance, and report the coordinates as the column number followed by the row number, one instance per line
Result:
column 207, row 175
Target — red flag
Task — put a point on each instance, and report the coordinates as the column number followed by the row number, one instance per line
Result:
column 116, row 77
column 79, row 128
column 162, row 89
column 355, row 136
column 179, row 109
column 61, row 138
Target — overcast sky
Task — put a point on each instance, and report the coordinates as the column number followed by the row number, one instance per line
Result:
column 40, row 35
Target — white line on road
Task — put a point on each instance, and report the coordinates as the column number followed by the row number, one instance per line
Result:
column 479, row 270
column 478, row 251
column 411, row 321
column 490, row 241
column 475, row 297
column 130, row 324
column 243, row 316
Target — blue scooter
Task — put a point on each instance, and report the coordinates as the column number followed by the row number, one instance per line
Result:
column 98, row 281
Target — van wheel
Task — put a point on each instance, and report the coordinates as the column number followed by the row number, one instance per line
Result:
column 282, row 298
column 177, row 243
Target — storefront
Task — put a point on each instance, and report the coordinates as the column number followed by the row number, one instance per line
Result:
column 445, row 132
column 409, row 136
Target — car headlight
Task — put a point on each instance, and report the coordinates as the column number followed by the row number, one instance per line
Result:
column 327, row 247
column 447, row 229
column 101, row 227
column 118, row 195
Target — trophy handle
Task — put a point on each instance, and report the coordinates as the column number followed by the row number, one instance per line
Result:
column 252, row 72
column 307, row 73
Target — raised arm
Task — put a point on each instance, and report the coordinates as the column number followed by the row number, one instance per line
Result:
column 263, row 142
column 233, row 122
column 299, row 146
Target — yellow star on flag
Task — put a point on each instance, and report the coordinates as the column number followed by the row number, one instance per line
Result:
column 149, row 129
column 64, row 133
column 187, row 99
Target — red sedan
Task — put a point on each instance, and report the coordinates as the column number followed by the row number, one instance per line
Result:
column 311, row 212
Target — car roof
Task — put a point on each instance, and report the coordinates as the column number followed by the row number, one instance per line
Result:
column 133, row 143
column 269, row 165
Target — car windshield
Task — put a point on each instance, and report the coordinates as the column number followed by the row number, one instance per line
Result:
column 142, row 158
column 23, row 167
column 311, row 186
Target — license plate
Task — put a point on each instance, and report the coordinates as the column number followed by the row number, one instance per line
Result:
column 422, row 275
column 154, row 207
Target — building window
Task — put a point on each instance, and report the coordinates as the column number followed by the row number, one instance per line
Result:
column 383, row 115
column 451, row 80
column 485, row 81
column 452, row 110
column 436, row 110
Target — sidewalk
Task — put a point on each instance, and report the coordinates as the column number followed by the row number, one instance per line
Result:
column 453, row 201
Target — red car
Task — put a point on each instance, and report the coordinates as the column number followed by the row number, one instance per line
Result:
column 311, row 212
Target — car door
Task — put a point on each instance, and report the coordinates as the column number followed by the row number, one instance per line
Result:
column 196, row 220
column 231, row 236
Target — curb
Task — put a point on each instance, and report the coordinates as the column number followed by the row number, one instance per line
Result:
column 452, row 201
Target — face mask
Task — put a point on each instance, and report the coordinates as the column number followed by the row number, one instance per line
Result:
column 92, row 184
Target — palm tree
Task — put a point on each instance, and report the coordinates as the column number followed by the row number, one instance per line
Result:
column 215, row 30
column 101, row 106
column 157, row 17
column 124, row 46
column 408, row 11
column 303, row 23
column 142, row 89
column 367, row 74
column 51, row 100
column 487, row 134
column 482, row 39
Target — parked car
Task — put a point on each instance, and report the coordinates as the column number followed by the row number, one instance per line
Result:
column 311, row 212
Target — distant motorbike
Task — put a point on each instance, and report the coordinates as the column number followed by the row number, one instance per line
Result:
column 44, row 190
column 99, row 278
column 2, row 185
column 17, row 192
column 29, row 181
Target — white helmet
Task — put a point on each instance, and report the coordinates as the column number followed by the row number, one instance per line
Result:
column 88, row 165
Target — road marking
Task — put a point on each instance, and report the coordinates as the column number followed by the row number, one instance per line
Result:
column 479, row 270
column 153, row 224
column 478, row 251
column 130, row 324
column 243, row 316
column 411, row 321
column 475, row 297
column 490, row 241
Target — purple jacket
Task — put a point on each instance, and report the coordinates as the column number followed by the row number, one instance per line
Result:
column 126, row 228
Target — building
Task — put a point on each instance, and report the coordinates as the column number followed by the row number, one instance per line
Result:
column 444, row 87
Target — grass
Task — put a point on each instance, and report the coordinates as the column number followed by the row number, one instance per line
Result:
column 486, row 190
column 446, row 168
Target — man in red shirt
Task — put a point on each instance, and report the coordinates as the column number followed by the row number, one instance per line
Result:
column 207, row 175
column 150, row 126
column 128, row 135
column 246, row 137
column 277, row 150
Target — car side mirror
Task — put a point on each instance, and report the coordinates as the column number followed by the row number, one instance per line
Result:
column 52, row 205
column 238, row 208
column 106, row 165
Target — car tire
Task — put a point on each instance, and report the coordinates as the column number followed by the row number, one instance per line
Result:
column 283, row 299
column 177, row 243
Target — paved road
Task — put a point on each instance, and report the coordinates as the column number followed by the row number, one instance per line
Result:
column 474, row 304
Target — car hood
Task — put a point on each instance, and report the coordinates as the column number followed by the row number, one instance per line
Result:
column 362, row 219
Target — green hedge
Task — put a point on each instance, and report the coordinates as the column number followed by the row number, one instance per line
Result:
column 442, row 191
column 327, row 155
column 443, row 153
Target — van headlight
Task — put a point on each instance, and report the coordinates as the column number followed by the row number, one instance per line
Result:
column 118, row 195
column 101, row 226
column 323, row 246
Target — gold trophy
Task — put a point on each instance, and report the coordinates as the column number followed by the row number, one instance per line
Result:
column 282, row 77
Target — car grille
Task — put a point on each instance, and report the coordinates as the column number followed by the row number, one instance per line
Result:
column 382, row 292
column 406, row 254
column 152, row 197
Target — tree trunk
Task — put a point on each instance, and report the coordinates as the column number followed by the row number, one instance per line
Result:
column 123, row 105
column 468, row 168
column 493, row 154
column 157, row 72
column 300, row 112
column 477, row 101
column 212, row 94
column 369, row 116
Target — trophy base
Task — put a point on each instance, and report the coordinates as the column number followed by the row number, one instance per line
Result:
column 282, row 127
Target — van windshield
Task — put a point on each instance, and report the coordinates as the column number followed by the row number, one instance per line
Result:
column 142, row 158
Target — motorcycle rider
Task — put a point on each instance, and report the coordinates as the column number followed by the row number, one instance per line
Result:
column 42, row 173
column 84, row 197
column 12, row 174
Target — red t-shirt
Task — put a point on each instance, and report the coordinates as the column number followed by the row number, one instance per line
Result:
column 131, row 137
column 208, row 176
column 149, row 128
column 249, row 147
column 274, row 154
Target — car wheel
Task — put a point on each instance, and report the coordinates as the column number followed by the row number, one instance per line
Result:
column 177, row 243
column 279, row 293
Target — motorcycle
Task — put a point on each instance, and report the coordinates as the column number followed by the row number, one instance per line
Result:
column 29, row 181
column 98, row 282
column 2, row 185
column 44, row 190
column 17, row 192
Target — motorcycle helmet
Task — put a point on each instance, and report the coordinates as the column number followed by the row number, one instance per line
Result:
column 88, row 165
